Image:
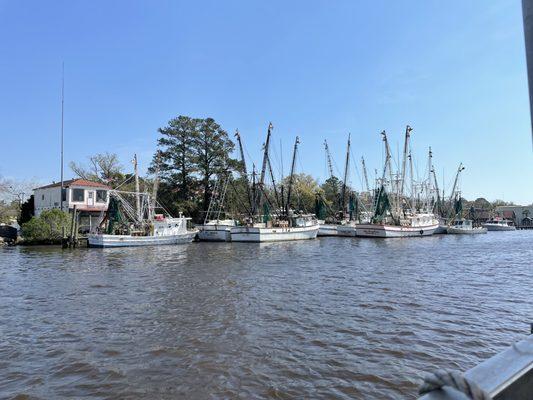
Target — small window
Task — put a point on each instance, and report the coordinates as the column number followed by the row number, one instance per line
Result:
column 101, row 196
column 42, row 197
column 64, row 194
column 78, row 195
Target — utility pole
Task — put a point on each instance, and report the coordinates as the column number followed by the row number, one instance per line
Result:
column 62, row 125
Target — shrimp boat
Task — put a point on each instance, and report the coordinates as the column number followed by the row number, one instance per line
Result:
column 131, row 225
column 162, row 231
column 464, row 227
column 396, row 215
column 300, row 227
column 499, row 224
column 216, row 229
column 285, row 224
column 326, row 229
column 344, row 221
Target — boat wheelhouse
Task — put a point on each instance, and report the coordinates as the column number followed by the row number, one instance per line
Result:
column 463, row 226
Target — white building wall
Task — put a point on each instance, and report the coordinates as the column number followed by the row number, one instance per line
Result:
column 50, row 198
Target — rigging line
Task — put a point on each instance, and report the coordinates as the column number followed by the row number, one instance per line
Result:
column 232, row 183
column 354, row 162
column 123, row 183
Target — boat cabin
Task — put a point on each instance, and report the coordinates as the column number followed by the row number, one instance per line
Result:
column 462, row 223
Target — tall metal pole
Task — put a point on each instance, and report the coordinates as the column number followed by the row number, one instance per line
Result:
column 408, row 130
column 293, row 165
column 365, row 175
column 263, row 168
column 62, row 125
column 527, row 13
column 346, row 166
column 413, row 205
column 244, row 170
column 328, row 159
column 452, row 194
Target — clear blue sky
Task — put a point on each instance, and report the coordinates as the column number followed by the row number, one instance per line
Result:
column 454, row 70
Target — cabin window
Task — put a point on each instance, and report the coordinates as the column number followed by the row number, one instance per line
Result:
column 42, row 197
column 101, row 196
column 78, row 195
column 63, row 194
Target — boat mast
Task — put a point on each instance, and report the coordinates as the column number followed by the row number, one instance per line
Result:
column 413, row 205
column 452, row 194
column 365, row 174
column 429, row 188
column 137, row 190
column 244, row 171
column 254, row 190
column 156, row 187
column 346, row 165
column 291, row 177
column 265, row 161
column 408, row 130
column 438, row 208
column 328, row 158
column 386, row 166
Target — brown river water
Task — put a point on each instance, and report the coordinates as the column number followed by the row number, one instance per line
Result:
column 334, row 318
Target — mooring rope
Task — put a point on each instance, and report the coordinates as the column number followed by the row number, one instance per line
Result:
column 455, row 380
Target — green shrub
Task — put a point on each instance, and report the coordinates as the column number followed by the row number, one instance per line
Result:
column 46, row 228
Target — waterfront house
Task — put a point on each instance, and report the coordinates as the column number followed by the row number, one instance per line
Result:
column 90, row 198
column 522, row 216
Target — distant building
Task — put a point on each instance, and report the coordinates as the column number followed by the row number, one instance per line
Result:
column 522, row 216
column 90, row 198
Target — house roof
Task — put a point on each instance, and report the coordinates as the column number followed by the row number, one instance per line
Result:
column 76, row 182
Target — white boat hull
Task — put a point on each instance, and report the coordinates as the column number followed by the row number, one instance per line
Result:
column 392, row 231
column 102, row 240
column 460, row 231
column 347, row 230
column 499, row 227
column 214, row 233
column 259, row 234
column 328, row 230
